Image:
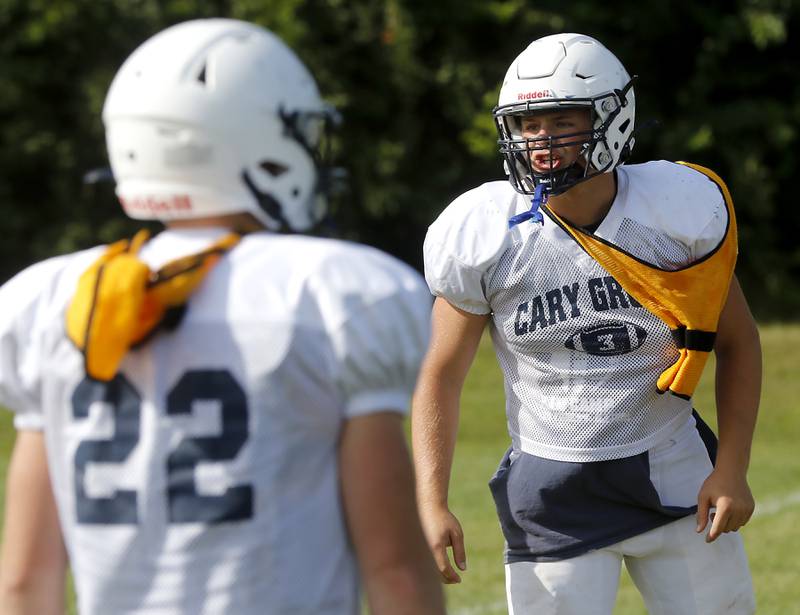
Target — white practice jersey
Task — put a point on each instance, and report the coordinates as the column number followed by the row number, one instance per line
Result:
column 203, row 479
column 580, row 356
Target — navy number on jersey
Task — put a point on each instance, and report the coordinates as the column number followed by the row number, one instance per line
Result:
column 124, row 402
column 184, row 503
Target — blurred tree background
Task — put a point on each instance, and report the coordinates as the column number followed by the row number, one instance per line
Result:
column 416, row 81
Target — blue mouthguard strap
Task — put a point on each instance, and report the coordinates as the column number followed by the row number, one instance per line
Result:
column 539, row 199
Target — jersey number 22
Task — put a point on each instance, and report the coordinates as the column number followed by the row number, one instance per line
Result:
column 184, row 503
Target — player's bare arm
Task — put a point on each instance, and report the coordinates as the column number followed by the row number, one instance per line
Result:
column 377, row 484
column 738, row 389
column 33, row 560
column 435, row 409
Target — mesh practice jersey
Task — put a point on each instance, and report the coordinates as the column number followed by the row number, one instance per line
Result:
column 203, row 479
column 579, row 355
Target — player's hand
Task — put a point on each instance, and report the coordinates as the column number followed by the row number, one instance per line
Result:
column 443, row 531
column 730, row 494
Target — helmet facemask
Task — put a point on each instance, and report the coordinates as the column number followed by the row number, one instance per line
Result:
column 313, row 132
column 596, row 146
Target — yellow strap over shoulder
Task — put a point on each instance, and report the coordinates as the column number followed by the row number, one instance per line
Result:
column 688, row 300
column 119, row 301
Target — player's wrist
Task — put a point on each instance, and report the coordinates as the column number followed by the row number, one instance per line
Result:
column 731, row 469
column 732, row 461
column 433, row 503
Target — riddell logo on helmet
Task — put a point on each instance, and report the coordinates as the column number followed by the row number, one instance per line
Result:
column 149, row 204
column 532, row 95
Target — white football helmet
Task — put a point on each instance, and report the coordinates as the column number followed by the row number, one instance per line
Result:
column 565, row 70
column 217, row 116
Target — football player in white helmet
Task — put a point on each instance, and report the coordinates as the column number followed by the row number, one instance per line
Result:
column 210, row 421
column 604, row 288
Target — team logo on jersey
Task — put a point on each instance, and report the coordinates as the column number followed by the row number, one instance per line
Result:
column 607, row 339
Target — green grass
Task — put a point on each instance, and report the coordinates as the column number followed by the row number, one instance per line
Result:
column 772, row 539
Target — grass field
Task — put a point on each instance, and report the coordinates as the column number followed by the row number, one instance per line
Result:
column 772, row 538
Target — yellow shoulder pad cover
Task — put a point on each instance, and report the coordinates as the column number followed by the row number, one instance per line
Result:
column 690, row 298
column 119, row 301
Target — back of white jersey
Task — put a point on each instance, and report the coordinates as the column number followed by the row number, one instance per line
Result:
column 203, row 479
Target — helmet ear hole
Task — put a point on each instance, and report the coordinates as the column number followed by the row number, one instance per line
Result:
column 275, row 169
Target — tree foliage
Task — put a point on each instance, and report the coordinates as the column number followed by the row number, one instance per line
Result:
column 415, row 82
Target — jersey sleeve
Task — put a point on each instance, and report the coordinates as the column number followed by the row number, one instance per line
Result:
column 461, row 247
column 23, row 306
column 379, row 329
column 712, row 233
column 698, row 215
column 677, row 205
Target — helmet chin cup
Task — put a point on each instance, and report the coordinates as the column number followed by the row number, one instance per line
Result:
column 566, row 71
column 560, row 181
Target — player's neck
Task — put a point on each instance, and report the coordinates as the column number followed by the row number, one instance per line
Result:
column 239, row 223
column 587, row 203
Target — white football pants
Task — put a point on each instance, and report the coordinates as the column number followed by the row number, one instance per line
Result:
column 675, row 570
